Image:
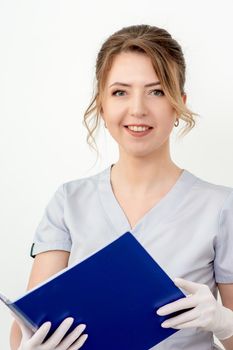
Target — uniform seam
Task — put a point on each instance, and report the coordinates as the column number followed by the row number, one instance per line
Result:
column 105, row 214
column 220, row 213
column 64, row 209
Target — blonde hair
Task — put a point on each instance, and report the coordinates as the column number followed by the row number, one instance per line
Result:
column 167, row 59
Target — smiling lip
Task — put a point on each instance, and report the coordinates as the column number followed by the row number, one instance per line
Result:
column 138, row 133
column 138, row 125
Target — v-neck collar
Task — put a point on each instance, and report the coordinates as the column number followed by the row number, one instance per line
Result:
column 160, row 211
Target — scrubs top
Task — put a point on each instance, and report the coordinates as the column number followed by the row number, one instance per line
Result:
column 189, row 232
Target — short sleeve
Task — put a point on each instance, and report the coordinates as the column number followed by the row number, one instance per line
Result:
column 52, row 232
column 223, row 263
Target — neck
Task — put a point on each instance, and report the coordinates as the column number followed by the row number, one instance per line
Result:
column 141, row 176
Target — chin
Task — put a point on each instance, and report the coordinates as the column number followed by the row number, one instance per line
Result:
column 140, row 153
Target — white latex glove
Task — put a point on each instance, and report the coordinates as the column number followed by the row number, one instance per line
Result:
column 207, row 314
column 33, row 341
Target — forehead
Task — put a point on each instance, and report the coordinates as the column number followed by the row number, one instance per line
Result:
column 131, row 67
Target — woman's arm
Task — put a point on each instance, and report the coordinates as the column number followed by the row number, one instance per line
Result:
column 226, row 293
column 45, row 265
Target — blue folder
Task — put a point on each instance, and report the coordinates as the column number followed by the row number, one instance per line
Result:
column 115, row 292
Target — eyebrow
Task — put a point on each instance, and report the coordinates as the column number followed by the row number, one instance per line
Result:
column 124, row 84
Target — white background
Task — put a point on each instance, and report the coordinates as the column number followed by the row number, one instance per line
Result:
column 47, row 61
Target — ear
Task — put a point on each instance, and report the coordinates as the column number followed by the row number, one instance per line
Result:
column 184, row 98
column 101, row 110
column 102, row 115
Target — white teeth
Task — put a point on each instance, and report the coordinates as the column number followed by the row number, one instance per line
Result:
column 138, row 128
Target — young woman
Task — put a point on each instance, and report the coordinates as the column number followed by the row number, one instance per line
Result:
column 184, row 222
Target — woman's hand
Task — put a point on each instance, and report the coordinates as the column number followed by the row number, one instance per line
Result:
column 206, row 314
column 33, row 341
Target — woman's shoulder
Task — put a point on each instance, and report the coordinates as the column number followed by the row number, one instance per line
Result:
column 87, row 183
column 211, row 189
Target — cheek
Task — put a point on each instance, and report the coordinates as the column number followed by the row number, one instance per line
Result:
column 165, row 118
column 166, row 124
column 114, row 116
column 162, row 114
column 114, row 122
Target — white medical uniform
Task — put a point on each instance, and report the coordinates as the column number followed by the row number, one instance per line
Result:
column 189, row 232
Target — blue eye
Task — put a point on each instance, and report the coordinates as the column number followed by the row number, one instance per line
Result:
column 160, row 91
column 114, row 92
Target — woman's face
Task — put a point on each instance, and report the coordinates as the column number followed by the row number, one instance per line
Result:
column 136, row 104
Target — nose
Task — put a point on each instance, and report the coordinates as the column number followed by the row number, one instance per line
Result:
column 137, row 107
